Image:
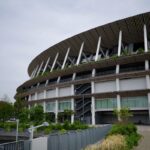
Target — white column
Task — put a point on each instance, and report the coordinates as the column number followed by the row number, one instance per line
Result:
column 80, row 53
column 145, row 39
column 118, row 89
column 93, row 72
column 72, row 108
column 117, row 84
column 56, row 111
column 148, row 85
column 74, row 76
column 54, row 62
column 40, row 68
column 93, row 104
column 149, row 105
column 36, row 96
column 46, row 65
column 29, row 99
column 98, row 48
column 117, row 69
column 72, row 103
column 44, row 107
column 65, row 59
column 56, row 106
column 44, row 94
column 118, row 102
column 119, row 43
column 117, row 72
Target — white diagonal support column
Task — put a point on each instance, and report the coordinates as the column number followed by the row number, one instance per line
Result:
column 32, row 73
column 40, row 68
column 145, row 39
column 46, row 65
column 54, row 62
column 80, row 52
column 119, row 43
column 35, row 71
column 98, row 48
column 65, row 59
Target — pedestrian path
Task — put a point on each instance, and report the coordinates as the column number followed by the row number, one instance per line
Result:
column 144, row 143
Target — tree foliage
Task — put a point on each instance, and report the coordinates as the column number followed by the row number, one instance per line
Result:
column 19, row 106
column 6, row 111
column 24, row 115
column 37, row 114
column 123, row 114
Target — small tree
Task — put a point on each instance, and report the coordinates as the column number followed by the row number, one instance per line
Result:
column 23, row 116
column 65, row 115
column 19, row 106
column 37, row 114
column 123, row 114
column 6, row 111
column 68, row 113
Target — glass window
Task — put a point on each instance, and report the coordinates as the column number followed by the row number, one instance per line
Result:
column 106, row 103
column 134, row 102
column 63, row 105
column 50, row 106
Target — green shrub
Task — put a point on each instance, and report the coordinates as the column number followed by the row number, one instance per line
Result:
column 62, row 131
column 47, row 130
column 57, row 126
column 132, row 140
column 66, row 125
column 1, row 125
column 7, row 129
column 124, row 129
column 129, row 131
column 20, row 129
column 8, row 126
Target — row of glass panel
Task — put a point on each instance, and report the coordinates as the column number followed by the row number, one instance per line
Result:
column 63, row 105
column 105, row 103
column 131, row 102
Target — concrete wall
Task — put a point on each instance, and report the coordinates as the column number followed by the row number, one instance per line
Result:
column 105, row 87
column 40, row 95
column 66, row 91
column 39, row 143
column 50, row 93
column 132, row 84
column 33, row 97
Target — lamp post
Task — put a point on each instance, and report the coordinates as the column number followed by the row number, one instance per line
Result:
column 17, row 126
column 32, row 128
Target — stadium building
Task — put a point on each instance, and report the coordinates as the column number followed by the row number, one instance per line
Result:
column 95, row 72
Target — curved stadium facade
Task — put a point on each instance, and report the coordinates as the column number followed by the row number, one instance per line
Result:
column 95, row 72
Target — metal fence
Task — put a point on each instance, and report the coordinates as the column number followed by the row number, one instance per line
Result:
column 76, row 140
column 12, row 146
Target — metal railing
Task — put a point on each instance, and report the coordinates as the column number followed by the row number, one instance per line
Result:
column 12, row 146
column 77, row 140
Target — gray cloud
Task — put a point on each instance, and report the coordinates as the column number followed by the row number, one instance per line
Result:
column 29, row 27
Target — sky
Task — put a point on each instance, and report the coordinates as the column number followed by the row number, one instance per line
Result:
column 28, row 27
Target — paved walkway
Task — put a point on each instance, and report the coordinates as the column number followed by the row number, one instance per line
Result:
column 144, row 143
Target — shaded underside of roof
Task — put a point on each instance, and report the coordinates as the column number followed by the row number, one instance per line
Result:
column 132, row 29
